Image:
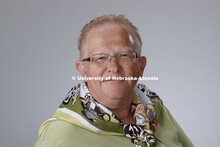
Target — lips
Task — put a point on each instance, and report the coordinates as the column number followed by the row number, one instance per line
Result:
column 112, row 78
column 109, row 80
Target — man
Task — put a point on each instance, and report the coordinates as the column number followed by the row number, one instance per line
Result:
column 111, row 112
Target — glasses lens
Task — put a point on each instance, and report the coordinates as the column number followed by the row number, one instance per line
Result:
column 101, row 59
column 122, row 58
column 127, row 57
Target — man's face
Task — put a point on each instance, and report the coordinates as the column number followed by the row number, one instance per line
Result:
column 110, row 39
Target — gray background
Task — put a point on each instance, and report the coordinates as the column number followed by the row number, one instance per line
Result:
column 38, row 50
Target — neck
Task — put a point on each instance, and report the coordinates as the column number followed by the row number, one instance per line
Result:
column 120, row 107
column 124, row 114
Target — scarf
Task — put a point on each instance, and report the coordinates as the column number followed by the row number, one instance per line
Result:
column 81, row 109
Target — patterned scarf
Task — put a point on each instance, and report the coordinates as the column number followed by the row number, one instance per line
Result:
column 81, row 109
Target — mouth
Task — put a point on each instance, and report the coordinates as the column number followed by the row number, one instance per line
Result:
column 112, row 79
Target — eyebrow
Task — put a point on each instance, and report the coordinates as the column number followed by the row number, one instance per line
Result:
column 121, row 51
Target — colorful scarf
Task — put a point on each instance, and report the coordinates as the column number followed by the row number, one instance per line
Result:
column 81, row 109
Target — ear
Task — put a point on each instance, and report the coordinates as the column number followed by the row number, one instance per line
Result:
column 142, row 64
column 80, row 66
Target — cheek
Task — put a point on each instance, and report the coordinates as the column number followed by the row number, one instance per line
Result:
column 93, row 71
column 133, row 70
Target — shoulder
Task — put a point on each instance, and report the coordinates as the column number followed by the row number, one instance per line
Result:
column 61, row 133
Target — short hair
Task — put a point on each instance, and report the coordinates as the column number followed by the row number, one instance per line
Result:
column 111, row 18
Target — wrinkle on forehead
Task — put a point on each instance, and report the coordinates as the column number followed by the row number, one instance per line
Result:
column 108, row 34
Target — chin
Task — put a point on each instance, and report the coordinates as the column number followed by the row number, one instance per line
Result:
column 115, row 92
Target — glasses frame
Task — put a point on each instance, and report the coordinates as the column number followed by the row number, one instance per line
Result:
column 89, row 59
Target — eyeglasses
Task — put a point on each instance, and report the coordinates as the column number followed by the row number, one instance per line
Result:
column 105, row 59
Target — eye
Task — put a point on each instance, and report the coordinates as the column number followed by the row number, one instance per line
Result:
column 124, row 55
column 100, row 58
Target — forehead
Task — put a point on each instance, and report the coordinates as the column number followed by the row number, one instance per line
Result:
column 108, row 36
column 109, row 29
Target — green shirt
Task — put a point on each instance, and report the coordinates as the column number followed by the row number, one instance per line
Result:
column 60, row 133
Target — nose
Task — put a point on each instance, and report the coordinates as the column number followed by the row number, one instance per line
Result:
column 113, row 58
column 113, row 66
